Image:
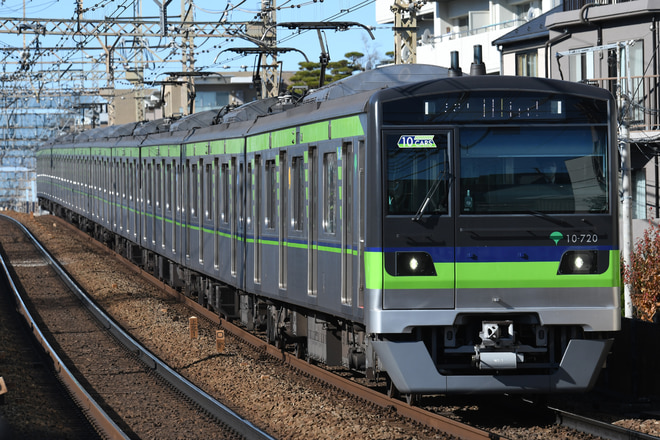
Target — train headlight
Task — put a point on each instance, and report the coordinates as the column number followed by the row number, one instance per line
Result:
column 579, row 262
column 414, row 264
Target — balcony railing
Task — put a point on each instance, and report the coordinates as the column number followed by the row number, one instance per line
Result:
column 644, row 112
column 574, row 5
column 479, row 30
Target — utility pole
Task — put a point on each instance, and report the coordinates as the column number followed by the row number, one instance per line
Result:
column 188, row 49
column 625, row 102
column 270, row 78
column 405, row 30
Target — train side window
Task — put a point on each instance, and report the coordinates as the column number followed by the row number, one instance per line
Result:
column 149, row 183
column 248, row 205
column 298, row 190
column 194, row 189
column 123, row 180
column 225, row 192
column 209, row 192
column 131, row 177
column 159, row 183
column 241, row 194
column 168, row 187
column 271, row 195
column 329, row 192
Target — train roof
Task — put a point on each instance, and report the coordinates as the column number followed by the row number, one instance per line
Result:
column 371, row 80
column 381, row 78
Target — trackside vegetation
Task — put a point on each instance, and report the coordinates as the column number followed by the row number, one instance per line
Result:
column 643, row 274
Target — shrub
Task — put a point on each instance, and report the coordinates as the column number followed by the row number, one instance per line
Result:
column 643, row 273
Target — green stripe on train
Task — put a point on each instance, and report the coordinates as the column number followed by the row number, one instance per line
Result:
column 488, row 275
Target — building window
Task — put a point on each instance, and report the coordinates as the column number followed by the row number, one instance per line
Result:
column 581, row 66
column 210, row 100
column 461, row 24
column 523, row 11
column 639, row 194
column 527, row 64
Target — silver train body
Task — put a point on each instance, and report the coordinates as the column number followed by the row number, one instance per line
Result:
column 393, row 222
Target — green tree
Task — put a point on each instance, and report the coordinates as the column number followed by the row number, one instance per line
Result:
column 389, row 59
column 310, row 73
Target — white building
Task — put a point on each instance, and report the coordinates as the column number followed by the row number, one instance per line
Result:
column 445, row 26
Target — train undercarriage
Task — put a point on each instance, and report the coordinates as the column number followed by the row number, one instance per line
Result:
column 310, row 335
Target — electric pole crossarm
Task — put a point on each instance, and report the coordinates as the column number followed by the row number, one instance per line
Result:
column 261, row 50
column 336, row 25
column 115, row 27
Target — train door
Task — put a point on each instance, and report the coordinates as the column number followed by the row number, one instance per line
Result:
column 418, row 226
column 187, row 206
column 177, row 215
column 238, row 220
column 312, row 218
column 160, row 202
column 114, row 194
column 361, row 224
column 283, row 235
column 257, row 218
column 346, row 222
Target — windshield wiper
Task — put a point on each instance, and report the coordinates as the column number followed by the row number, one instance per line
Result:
column 428, row 196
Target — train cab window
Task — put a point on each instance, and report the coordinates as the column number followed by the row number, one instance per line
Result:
column 417, row 174
column 517, row 170
column 298, row 193
column 329, row 192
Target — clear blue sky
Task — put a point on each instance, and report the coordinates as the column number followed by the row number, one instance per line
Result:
column 339, row 43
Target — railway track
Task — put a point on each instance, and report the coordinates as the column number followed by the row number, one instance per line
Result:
column 29, row 381
column 125, row 390
column 418, row 416
column 597, row 428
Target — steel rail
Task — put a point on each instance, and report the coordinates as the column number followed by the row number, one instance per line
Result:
column 597, row 428
column 563, row 418
column 216, row 409
column 98, row 417
column 435, row 421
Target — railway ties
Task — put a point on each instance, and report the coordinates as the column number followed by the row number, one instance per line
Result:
column 131, row 393
column 269, row 370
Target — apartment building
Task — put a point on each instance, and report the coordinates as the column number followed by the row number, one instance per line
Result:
column 446, row 26
column 613, row 45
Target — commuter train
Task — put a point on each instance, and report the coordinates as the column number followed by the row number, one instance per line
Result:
column 453, row 234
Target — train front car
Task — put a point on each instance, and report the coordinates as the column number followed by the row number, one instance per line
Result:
column 496, row 264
